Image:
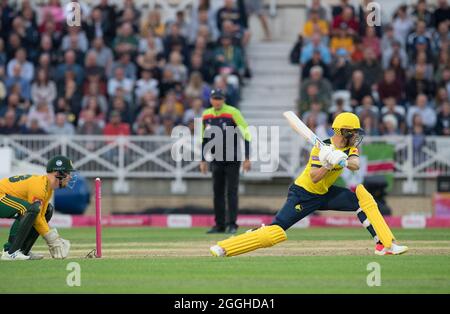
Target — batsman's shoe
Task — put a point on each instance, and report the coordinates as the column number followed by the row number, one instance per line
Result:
column 35, row 256
column 16, row 256
column 395, row 249
column 217, row 251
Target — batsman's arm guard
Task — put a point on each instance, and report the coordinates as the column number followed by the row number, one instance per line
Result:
column 370, row 208
column 264, row 236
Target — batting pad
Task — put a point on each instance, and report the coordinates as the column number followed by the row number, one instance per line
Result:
column 370, row 208
column 264, row 236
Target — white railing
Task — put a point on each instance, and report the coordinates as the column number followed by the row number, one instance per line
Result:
column 123, row 158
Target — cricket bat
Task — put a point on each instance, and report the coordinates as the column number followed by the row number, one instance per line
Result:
column 302, row 129
column 305, row 132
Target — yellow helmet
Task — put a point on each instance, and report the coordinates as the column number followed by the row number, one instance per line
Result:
column 346, row 120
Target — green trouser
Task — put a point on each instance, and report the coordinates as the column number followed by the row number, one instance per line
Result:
column 13, row 207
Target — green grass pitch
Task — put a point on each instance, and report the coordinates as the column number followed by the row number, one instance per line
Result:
column 155, row 260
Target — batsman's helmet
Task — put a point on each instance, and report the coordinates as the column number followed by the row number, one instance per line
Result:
column 347, row 124
column 61, row 164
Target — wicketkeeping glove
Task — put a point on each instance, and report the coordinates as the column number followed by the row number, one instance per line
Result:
column 58, row 247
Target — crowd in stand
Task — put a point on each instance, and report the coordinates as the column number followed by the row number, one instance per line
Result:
column 394, row 76
column 122, row 71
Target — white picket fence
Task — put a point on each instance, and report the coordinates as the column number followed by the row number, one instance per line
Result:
column 123, row 158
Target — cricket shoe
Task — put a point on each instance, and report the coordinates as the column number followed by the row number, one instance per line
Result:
column 395, row 249
column 217, row 251
column 16, row 256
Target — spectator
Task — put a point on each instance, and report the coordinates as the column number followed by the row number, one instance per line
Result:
column 44, row 63
column 104, row 55
column 390, row 86
column 395, row 50
column 419, row 84
column 427, row 114
column 96, row 27
column 146, row 84
column 27, row 68
column 89, row 126
column 43, row 113
column 17, row 80
column 70, row 65
column 33, row 128
column 324, row 86
column 61, row 126
column 442, row 13
column 118, row 104
column 152, row 24
column 75, row 37
column 108, row 14
column 368, row 108
column 400, row 73
column 229, row 56
column 9, row 123
column 197, row 65
column 315, row 44
column 148, row 119
column 312, row 95
column 371, row 68
column 124, row 62
column 92, row 107
column 42, row 88
column 341, row 70
column 317, row 6
column 368, row 123
column 116, row 126
column 195, row 110
column 316, row 111
column 167, row 125
column 345, row 19
column 342, row 40
column 148, row 62
column 197, row 88
column 316, row 60
column 402, row 24
column 443, row 120
column 174, row 40
column 120, row 81
column 390, row 125
column 47, row 47
column 176, row 66
column 371, row 41
column 419, row 40
column 358, row 53
column 441, row 98
column 54, row 11
column 125, row 41
column 441, row 37
column 422, row 14
column 337, row 10
column 171, row 106
column 3, row 56
column 202, row 19
column 151, row 43
column 388, row 39
column 315, row 24
column 421, row 62
column 358, row 89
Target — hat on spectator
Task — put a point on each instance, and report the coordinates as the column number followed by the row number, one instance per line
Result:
column 217, row 94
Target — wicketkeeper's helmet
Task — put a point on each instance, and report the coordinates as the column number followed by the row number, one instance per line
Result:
column 61, row 164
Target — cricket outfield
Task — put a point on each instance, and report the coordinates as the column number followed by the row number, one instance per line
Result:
column 162, row 260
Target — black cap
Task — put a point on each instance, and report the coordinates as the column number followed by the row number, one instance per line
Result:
column 217, row 94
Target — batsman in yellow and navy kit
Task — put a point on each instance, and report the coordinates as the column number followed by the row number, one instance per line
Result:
column 26, row 199
column 314, row 190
